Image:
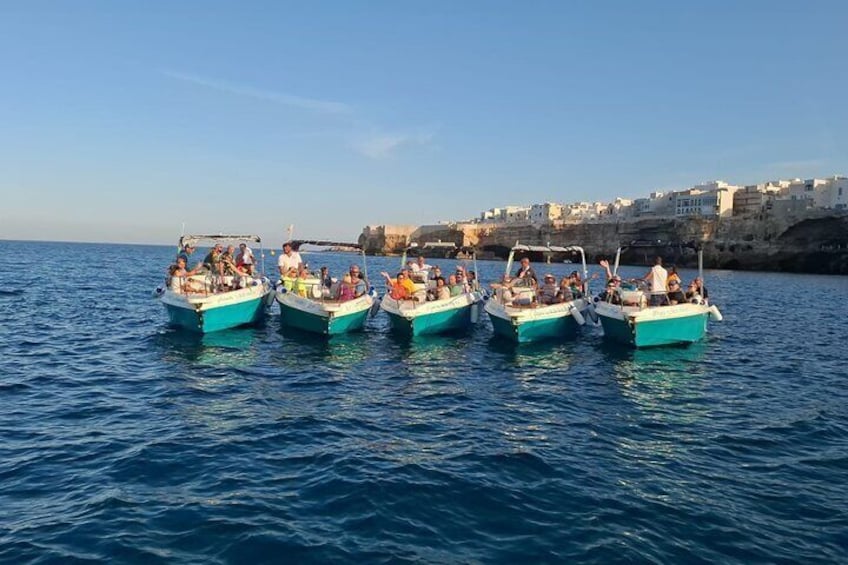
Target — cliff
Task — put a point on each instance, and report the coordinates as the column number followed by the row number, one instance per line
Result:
column 813, row 242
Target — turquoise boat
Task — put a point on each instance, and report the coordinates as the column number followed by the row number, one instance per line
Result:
column 209, row 303
column 644, row 326
column 323, row 315
column 420, row 316
column 413, row 317
column 212, row 312
column 535, row 322
column 630, row 321
column 315, row 308
column 516, row 314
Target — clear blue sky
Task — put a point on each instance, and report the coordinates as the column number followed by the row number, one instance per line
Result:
column 119, row 121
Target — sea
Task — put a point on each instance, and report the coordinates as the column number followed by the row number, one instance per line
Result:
column 123, row 440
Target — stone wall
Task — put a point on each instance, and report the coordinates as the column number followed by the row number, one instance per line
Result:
column 811, row 241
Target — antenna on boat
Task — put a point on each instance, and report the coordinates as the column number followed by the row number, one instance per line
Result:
column 510, row 259
column 365, row 267
column 701, row 264
column 476, row 271
column 585, row 288
column 617, row 259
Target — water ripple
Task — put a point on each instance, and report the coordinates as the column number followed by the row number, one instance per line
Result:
column 124, row 440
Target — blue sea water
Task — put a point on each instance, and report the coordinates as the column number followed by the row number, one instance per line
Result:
column 123, row 440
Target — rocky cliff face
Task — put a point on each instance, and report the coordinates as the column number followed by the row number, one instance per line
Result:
column 816, row 242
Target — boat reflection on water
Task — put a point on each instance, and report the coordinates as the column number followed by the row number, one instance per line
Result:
column 235, row 347
column 429, row 356
column 526, row 361
column 652, row 363
column 666, row 385
column 305, row 350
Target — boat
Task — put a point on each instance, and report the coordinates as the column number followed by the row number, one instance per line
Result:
column 419, row 316
column 320, row 311
column 206, row 302
column 627, row 318
column 518, row 316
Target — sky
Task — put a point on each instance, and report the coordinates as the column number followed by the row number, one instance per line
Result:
column 124, row 121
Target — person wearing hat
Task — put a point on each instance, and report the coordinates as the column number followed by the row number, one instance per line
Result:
column 289, row 259
column 186, row 251
column 212, row 262
column 548, row 290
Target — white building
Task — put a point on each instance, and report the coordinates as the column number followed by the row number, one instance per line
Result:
column 506, row 215
column 542, row 214
column 838, row 193
column 815, row 190
column 658, row 204
column 620, row 208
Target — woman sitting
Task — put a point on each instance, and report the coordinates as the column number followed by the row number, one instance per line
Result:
column 400, row 288
column 178, row 278
column 566, row 293
column 346, row 289
column 440, row 292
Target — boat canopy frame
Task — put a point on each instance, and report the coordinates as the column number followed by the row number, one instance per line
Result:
column 689, row 245
column 445, row 245
column 296, row 243
column 549, row 249
column 193, row 240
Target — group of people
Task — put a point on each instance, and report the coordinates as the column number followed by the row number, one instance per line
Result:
column 665, row 286
column 435, row 285
column 228, row 268
column 303, row 283
column 514, row 289
column 295, row 277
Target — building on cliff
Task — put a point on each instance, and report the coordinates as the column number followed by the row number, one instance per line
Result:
column 830, row 193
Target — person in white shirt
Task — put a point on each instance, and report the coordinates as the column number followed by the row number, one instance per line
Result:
column 420, row 265
column 245, row 258
column 289, row 259
column 658, row 277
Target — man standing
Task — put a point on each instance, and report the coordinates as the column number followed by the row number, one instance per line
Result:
column 525, row 276
column 420, row 265
column 213, row 262
column 658, row 277
column 187, row 250
column 288, row 260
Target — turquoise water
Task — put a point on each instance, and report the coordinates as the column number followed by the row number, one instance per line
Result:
column 124, row 440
